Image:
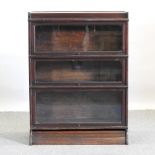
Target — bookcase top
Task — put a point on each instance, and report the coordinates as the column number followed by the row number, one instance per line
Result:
column 78, row 16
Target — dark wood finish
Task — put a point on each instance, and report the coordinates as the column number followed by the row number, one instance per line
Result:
column 86, row 16
column 78, row 80
column 78, row 137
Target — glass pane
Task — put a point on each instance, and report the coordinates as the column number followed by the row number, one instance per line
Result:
column 78, row 106
column 78, row 71
column 72, row 38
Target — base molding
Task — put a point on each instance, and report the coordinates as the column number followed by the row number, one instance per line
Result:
column 107, row 137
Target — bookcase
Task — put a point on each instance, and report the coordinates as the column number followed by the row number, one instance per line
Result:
column 78, row 77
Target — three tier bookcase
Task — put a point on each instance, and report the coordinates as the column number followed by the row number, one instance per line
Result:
column 78, row 77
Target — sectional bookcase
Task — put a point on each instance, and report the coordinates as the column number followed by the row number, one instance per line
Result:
column 78, row 77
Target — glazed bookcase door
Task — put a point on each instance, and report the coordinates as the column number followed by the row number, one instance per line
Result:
column 79, row 39
column 78, row 108
column 78, row 71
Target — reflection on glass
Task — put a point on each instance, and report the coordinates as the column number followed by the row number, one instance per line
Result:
column 73, row 38
column 78, row 71
column 78, row 106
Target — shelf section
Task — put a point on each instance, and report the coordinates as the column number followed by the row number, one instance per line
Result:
column 78, row 71
column 84, row 106
column 72, row 38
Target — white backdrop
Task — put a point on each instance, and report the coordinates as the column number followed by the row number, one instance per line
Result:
column 14, row 47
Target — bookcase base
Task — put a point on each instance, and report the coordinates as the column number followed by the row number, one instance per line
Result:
column 107, row 137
